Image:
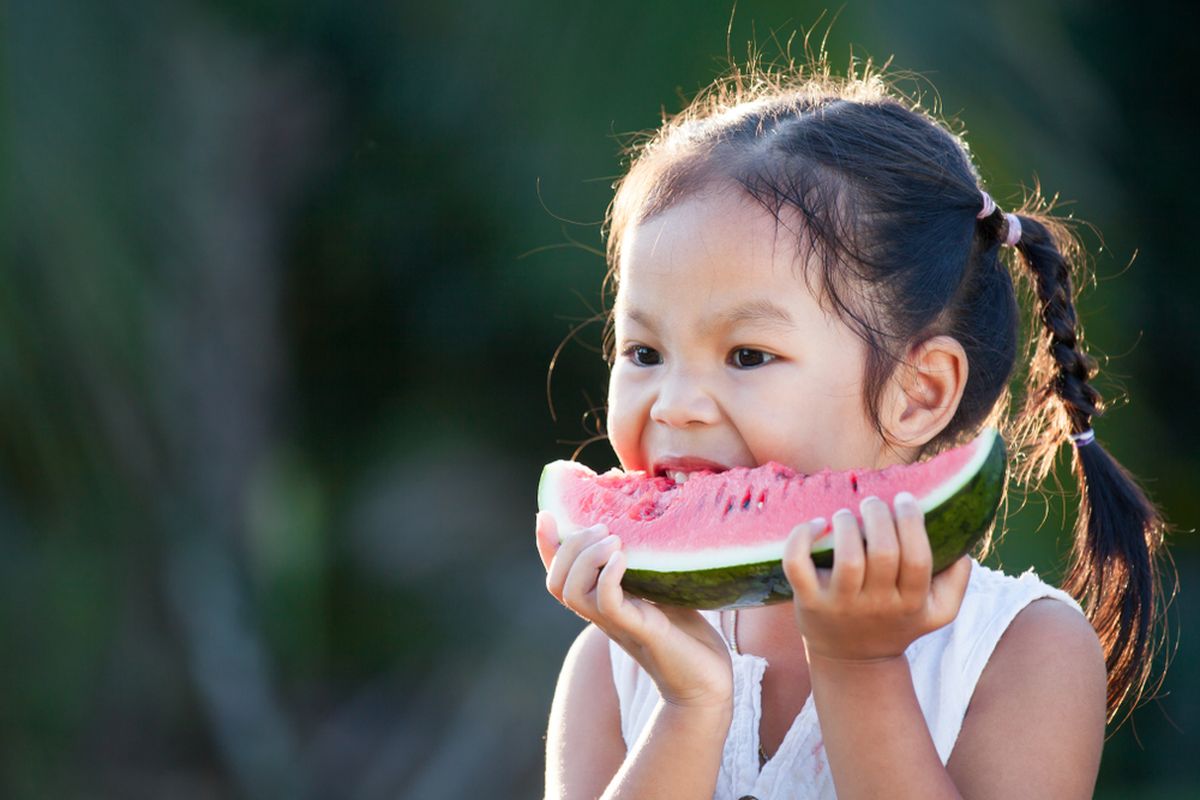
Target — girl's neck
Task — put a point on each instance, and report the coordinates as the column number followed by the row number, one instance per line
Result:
column 770, row 631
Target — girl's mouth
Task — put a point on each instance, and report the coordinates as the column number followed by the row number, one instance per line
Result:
column 679, row 468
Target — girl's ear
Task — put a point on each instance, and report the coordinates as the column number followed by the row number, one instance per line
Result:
column 926, row 390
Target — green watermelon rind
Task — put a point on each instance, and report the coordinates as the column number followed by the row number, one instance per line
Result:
column 954, row 526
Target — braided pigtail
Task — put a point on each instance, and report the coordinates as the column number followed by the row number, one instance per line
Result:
column 1114, row 570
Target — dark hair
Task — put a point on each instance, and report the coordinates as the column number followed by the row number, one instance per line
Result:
column 887, row 199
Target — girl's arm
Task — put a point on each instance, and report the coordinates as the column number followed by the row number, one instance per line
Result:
column 678, row 756
column 1036, row 721
column 584, row 748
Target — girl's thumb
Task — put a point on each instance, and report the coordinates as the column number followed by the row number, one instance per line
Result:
column 947, row 590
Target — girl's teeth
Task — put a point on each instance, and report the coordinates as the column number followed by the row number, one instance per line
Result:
column 679, row 477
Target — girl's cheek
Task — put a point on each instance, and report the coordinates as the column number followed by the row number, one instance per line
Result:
column 625, row 423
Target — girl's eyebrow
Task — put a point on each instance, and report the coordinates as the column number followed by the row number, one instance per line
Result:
column 753, row 312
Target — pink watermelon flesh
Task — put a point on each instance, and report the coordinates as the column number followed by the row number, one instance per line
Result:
column 740, row 516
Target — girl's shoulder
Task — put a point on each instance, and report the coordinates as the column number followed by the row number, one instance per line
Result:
column 994, row 600
column 1006, row 630
column 993, row 583
column 1041, row 695
column 1036, row 636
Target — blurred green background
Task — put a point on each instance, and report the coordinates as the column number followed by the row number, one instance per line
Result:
column 282, row 283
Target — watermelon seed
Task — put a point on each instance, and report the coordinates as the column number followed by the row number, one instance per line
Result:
column 729, row 507
column 853, row 481
column 746, row 500
column 762, row 498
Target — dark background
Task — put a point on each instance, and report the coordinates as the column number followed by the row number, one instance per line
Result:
column 282, row 284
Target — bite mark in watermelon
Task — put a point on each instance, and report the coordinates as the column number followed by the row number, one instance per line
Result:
column 717, row 540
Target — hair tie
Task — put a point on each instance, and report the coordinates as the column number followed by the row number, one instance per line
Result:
column 1014, row 230
column 989, row 206
column 1084, row 437
column 1012, row 223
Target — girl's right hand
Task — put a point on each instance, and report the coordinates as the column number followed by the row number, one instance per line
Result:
column 682, row 653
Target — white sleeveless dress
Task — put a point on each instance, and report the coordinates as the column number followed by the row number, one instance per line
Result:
column 945, row 665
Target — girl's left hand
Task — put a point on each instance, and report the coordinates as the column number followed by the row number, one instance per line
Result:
column 880, row 594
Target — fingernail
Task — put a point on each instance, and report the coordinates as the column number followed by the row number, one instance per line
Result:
column 905, row 499
column 865, row 500
column 612, row 538
column 843, row 511
column 600, row 529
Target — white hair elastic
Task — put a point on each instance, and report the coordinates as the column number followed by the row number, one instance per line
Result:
column 1083, row 437
column 1012, row 222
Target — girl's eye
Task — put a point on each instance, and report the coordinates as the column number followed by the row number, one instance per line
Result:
column 643, row 356
column 747, row 357
column 744, row 357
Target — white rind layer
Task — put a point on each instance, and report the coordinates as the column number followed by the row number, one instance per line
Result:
column 716, row 558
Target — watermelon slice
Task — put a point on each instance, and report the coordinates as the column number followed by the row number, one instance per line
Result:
column 716, row 540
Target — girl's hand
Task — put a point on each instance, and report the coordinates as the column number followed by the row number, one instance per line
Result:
column 880, row 594
column 682, row 653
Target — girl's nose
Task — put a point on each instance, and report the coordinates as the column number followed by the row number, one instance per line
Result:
column 681, row 402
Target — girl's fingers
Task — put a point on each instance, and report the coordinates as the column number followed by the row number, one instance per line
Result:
column 798, row 565
column 882, row 547
column 916, row 559
column 849, row 559
column 610, row 597
column 582, row 577
column 547, row 537
column 568, row 551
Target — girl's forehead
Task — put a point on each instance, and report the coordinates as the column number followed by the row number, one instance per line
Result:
column 721, row 225
column 725, row 255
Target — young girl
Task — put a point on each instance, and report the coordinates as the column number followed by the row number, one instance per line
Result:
column 808, row 271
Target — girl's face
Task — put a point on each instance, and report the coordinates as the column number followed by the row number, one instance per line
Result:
column 723, row 355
